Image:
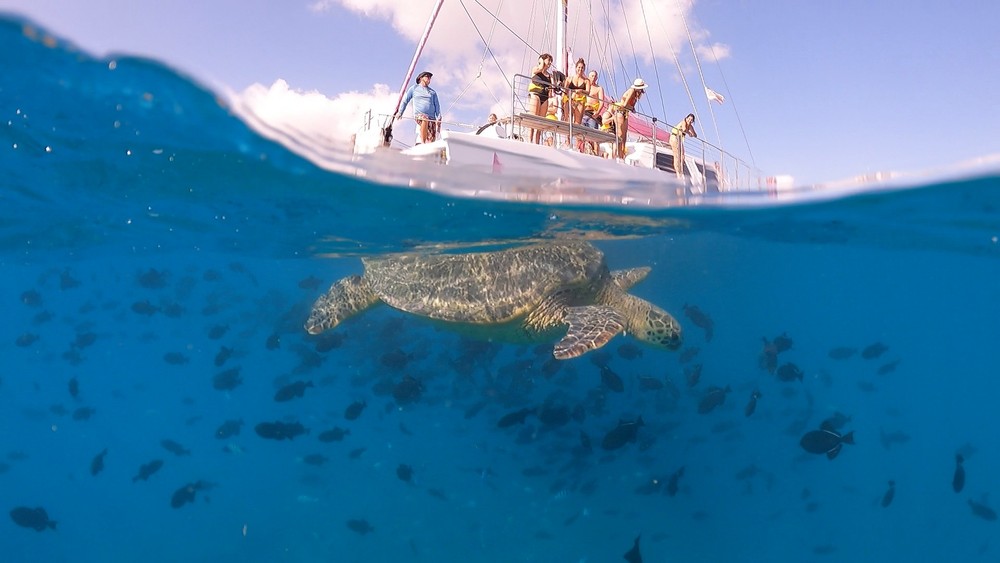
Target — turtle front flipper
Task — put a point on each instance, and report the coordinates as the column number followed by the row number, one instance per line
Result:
column 344, row 299
column 627, row 278
column 589, row 328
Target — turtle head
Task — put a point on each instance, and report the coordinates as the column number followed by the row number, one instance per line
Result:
column 659, row 328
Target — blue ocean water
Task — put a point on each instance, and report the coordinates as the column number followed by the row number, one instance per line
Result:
column 150, row 242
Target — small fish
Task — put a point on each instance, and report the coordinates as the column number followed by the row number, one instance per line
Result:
column 223, row 355
column 633, row 555
column 360, row 526
column 826, row 441
column 315, row 459
column 408, row 390
column 982, row 511
column 629, row 351
column 515, row 417
column 782, row 343
column 34, row 518
column 354, row 410
column 888, row 368
column 84, row 340
column 356, row 452
column 752, row 405
column 622, row 434
column 217, row 331
column 97, row 464
column 700, row 319
column 67, row 281
column 280, row 430
column 841, row 353
column 26, row 339
column 958, row 480
column 873, row 351
column 673, row 484
column 83, row 413
column 692, row 375
column 31, row 298
column 405, row 473
column 187, row 493
column 74, row 387
column 146, row 470
column 175, row 358
column 612, row 380
column 688, row 354
column 768, row 359
column 311, row 283
column 144, row 308
column 714, row 397
column 273, row 342
column 892, row 438
column 229, row 428
column 153, row 278
column 789, row 372
column 292, row 390
column 227, row 380
column 889, row 494
column 334, row 435
column 174, row 448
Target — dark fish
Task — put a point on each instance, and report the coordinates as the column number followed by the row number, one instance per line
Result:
column 153, row 278
column 83, row 413
column 360, row 526
column 145, row 308
column 97, row 464
column 768, row 359
column 516, row 417
column 650, row 384
column 889, row 494
column 174, row 448
column 335, row 435
column 958, row 480
column 651, row 486
column 700, row 319
column 67, row 281
column 217, row 331
column 173, row 310
column 356, row 453
column 629, row 351
column 354, row 410
column 873, row 351
column 227, row 380
column 280, row 430
column 26, row 339
column 782, row 343
column 692, row 375
column 229, row 428
column 148, row 469
column 714, row 397
column 554, row 416
column 187, row 493
column 74, row 387
column 585, row 444
column 622, row 434
column 273, row 342
column 611, row 380
column 405, row 473
column 752, row 405
column 841, row 353
column 980, row 510
column 292, row 390
column 31, row 298
column 633, row 555
column 673, row 484
column 688, row 354
column 892, row 438
column 83, row 340
column 223, row 355
column 888, row 368
column 826, row 440
column 789, row 372
column 408, row 390
column 315, row 459
column 34, row 518
column 312, row 282
column 175, row 358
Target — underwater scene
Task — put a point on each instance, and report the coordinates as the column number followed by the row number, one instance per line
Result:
column 215, row 349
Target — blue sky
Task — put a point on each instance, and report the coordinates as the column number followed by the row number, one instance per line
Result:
column 824, row 91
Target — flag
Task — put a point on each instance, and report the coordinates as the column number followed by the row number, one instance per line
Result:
column 714, row 96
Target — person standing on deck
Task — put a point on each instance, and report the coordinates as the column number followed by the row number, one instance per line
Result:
column 426, row 108
column 595, row 101
column 621, row 111
column 538, row 92
column 677, row 134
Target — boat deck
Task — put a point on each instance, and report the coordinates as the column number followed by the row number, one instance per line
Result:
column 563, row 128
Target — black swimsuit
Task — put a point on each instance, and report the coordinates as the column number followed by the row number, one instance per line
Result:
column 543, row 82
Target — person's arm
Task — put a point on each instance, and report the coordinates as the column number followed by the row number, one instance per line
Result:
column 691, row 131
column 437, row 107
column 406, row 100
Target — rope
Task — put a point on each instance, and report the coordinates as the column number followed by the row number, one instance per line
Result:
column 733, row 101
column 701, row 75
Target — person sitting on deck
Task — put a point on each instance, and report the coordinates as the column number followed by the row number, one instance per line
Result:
column 677, row 135
column 426, row 108
column 621, row 111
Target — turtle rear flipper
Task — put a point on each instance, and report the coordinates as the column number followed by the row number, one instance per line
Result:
column 344, row 299
column 589, row 328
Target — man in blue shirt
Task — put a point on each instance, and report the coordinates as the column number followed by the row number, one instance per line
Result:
column 426, row 109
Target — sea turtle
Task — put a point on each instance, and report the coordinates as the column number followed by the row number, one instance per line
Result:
column 520, row 293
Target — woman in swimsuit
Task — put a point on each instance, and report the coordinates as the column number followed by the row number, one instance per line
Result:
column 538, row 91
column 622, row 109
column 578, row 87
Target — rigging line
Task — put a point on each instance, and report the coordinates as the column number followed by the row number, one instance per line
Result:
column 731, row 99
column 485, row 9
column 652, row 56
column 701, row 75
column 485, row 42
column 675, row 55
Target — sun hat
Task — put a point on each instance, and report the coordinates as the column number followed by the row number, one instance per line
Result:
column 423, row 74
column 638, row 84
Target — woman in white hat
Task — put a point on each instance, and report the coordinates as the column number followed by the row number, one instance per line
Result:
column 621, row 111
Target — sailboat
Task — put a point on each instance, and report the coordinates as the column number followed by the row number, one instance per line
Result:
column 504, row 149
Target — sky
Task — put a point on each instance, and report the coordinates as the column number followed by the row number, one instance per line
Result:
column 821, row 91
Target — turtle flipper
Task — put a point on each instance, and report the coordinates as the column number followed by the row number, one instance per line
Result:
column 627, row 278
column 589, row 328
column 344, row 299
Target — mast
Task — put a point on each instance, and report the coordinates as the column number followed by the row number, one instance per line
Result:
column 387, row 130
column 562, row 21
